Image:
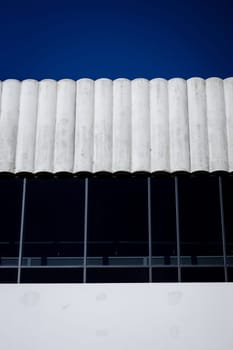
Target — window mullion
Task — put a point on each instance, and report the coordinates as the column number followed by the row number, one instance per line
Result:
column 177, row 226
column 85, row 231
column 21, row 230
column 149, row 227
column 223, row 227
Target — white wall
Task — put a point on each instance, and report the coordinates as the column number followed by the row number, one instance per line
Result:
column 117, row 317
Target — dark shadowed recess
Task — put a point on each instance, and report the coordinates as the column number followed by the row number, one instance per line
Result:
column 116, row 228
column 10, row 219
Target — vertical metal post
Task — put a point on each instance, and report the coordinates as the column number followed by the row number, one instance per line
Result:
column 177, row 227
column 21, row 230
column 149, row 227
column 223, row 227
column 85, row 232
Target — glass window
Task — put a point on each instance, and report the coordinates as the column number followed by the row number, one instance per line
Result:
column 8, row 275
column 117, row 229
column 200, row 222
column 117, row 221
column 163, row 221
column 165, row 274
column 230, row 274
column 51, row 275
column 202, row 274
column 227, row 182
column 10, row 218
column 54, row 222
column 117, row 275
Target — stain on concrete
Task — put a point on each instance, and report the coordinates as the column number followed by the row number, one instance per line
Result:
column 30, row 299
column 174, row 332
column 66, row 306
column 101, row 332
column 174, row 297
column 101, row 297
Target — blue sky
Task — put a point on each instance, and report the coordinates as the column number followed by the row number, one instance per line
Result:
column 115, row 38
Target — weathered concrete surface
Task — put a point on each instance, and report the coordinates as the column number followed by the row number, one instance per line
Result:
column 117, row 316
column 119, row 125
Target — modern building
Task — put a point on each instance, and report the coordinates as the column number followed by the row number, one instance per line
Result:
column 116, row 203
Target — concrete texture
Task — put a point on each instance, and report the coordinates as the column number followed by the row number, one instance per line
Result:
column 119, row 125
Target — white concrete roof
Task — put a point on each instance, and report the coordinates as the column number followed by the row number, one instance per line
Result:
column 119, row 125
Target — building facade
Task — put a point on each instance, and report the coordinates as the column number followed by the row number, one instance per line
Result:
column 114, row 182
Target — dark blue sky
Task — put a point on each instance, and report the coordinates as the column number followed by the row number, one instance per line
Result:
column 115, row 38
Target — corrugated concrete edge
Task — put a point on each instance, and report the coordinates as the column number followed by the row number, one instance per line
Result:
column 116, row 125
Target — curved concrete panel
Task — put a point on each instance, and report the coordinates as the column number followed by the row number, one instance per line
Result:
column 25, row 149
column 84, row 127
column 198, row 132
column 9, row 124
column 140, row 125
column 178, row 125
column 45, row 129
column 103, row 125
column 121, row 147
column 216, row 121
column 65, row 123
column 159, row 125
column 228, row 93
column 115, row 126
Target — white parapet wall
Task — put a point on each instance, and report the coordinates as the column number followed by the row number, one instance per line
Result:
column 116, row 316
